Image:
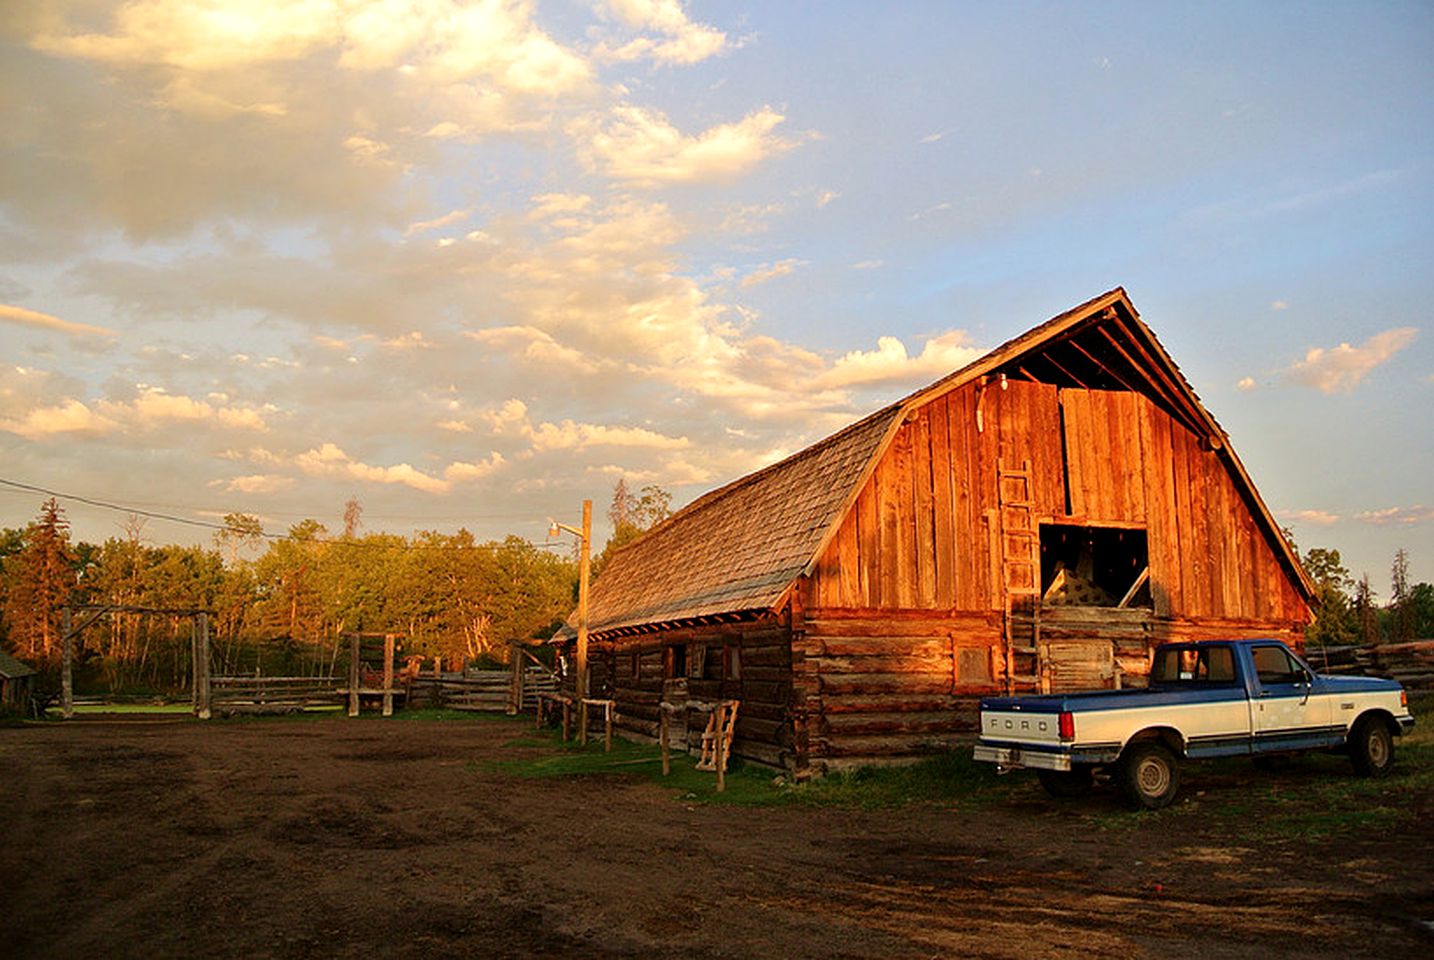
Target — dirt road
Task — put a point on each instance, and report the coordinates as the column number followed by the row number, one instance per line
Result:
column 399, row 839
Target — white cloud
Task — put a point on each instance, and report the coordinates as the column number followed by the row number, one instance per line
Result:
column 1316, row 518
column 890, row 362
column 771, row 271
column 153, row 407
column 1341, row 368
column 1246, row 384
column 569, row 435
column 422, row 226
column 329, row 460
column 459, row 471
column 1279, row 305
column 684, row 42
column 1400, row 516
column 44, row 321
column 69, row 416
column 259, row 483
column 640, row 146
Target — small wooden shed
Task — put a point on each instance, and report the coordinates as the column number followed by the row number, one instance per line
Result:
column 16, row 681
column 1035, row 521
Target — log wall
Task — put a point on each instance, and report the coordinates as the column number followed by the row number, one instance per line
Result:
column 749, row 661
column 875, row 687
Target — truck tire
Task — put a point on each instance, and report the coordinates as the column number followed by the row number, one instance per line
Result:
column 1371, row 748
column 1149, row 776
column 1066, row 784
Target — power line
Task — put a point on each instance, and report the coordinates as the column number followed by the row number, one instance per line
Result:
column 220, row 527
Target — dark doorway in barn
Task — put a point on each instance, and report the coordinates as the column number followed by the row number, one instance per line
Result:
column 1094, row 566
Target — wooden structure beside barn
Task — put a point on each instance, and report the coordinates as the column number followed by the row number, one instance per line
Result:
column 1035, row 521
column 17, row 680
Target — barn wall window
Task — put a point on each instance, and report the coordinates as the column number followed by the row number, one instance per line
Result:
column 1100, row 566
column 675, row 661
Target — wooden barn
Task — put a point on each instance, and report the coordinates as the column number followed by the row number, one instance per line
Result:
column 1035, row 521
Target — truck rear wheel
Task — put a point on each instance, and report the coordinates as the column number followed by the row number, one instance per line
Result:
column 1371, row 748
column 1149, row 776
column 1076, row 782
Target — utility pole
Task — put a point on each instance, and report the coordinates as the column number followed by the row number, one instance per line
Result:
column 584, row 564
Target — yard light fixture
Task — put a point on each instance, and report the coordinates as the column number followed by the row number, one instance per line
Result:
column 584, row 535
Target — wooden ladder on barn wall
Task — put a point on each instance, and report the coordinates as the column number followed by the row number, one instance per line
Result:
column 1020, row 548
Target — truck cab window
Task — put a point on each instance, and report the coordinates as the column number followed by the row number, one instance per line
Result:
column 1273, row 666
column 1208, row 665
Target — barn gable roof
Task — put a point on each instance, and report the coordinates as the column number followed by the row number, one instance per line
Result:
column 740, row 548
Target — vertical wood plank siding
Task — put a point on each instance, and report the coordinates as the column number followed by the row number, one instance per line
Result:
column 917, row 537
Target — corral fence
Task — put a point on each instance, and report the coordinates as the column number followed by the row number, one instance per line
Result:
column 1411, row 663
column 374, row 675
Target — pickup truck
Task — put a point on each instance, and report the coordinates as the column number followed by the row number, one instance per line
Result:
column 1213, row 698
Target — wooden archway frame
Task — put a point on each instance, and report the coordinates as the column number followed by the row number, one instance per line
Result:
column 199, row 647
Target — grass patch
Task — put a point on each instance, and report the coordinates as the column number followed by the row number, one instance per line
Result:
column 100, row 708
column 947, row 778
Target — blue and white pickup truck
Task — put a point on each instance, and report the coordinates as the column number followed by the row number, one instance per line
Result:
column 1214, row 698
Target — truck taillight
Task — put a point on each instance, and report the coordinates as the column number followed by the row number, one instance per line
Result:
column 1404, row 699
column 1067, row 723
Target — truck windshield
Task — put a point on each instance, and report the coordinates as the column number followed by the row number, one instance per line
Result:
column 1204, row 665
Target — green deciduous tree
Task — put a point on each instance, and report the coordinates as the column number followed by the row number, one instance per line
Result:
column 1334, row 622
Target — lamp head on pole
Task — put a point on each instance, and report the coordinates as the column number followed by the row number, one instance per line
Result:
column 553, row 528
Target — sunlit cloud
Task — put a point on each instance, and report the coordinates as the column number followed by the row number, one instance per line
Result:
column 1315, row 518
column 259, row 483
column 1340, row 369
column 68, row 417
column 422, row 226
column 679, row 41
column 1396, row 516
column 44, row 321
column 890, row 362
column 639, row 145
column 771, row 271
column 1246, row 384
column 329, row 460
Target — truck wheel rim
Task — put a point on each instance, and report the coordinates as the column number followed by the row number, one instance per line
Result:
column 1378, row 751
column 1153, row 777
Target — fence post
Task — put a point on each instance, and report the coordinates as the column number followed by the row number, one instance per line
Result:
column 201, row 667
column 353, row 674
column 607, row 727
column 583, row 722
column 388, row 675
column 721, row 754
column 662, row 730
column 67, row 656
column 515, row 681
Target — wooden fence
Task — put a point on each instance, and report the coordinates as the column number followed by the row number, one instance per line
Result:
column 482, row 689
column 256, row 694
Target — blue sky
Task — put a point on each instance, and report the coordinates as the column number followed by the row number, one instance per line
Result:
column 472, row 262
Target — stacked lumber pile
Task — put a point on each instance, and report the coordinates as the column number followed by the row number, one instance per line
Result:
column 1411, row 663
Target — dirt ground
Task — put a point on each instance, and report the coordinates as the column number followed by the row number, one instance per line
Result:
column 145, row 838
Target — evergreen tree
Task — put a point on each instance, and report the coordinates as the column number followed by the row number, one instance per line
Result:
column 42, row 581
column 1401, row 607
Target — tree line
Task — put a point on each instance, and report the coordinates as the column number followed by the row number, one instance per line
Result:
column 280, row 604
column 1347, row 610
